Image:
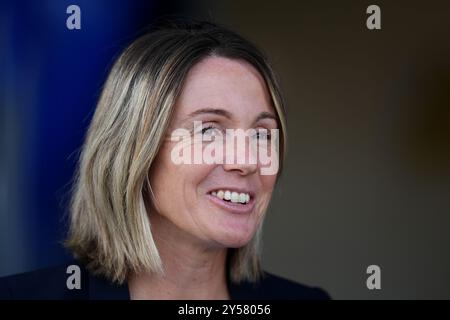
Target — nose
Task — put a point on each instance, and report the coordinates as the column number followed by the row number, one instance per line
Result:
column 244, row 161
column 242, row 169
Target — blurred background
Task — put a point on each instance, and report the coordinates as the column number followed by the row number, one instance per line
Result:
column 367, row 178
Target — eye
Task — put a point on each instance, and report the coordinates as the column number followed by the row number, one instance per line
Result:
column 210, row 130
column 263, row 134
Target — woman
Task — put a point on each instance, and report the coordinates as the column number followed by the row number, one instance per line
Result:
column 145, row 225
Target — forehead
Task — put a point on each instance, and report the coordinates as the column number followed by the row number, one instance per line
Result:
column 218, row 82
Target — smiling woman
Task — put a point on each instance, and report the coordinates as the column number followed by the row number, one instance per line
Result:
column 148, row 227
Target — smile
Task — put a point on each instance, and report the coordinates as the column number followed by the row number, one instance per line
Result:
column 234, row 201
column 232, row 196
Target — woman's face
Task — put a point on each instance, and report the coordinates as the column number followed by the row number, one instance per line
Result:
column 194, row 198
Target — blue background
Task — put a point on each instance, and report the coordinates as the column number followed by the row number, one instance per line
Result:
column 51, row 80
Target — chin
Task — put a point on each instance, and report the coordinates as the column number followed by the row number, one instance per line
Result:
column 233, row 239
column 227, row 229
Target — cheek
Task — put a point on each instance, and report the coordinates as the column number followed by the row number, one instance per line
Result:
column 268, row 183
column 267, row 186
column 165, row 181
column 176, row 186
column 162, row 174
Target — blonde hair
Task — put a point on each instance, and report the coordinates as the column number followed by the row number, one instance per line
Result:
column 109, row 227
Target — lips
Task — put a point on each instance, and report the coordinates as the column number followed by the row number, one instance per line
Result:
column 232, row 196
column 233, row 200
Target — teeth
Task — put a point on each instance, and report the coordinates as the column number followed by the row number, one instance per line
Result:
column 232, row 196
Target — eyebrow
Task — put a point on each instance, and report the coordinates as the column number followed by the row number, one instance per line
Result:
column 228, row 115
column 220, row 112
column 266, row 115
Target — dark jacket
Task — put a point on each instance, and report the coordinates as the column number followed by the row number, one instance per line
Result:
column 51, row 283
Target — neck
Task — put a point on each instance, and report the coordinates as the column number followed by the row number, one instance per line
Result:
column 191, row 270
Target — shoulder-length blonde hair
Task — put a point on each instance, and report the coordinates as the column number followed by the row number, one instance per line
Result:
column 109, row 227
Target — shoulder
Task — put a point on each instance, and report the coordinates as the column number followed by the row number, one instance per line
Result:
column 275, row 287
column 48, row 283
